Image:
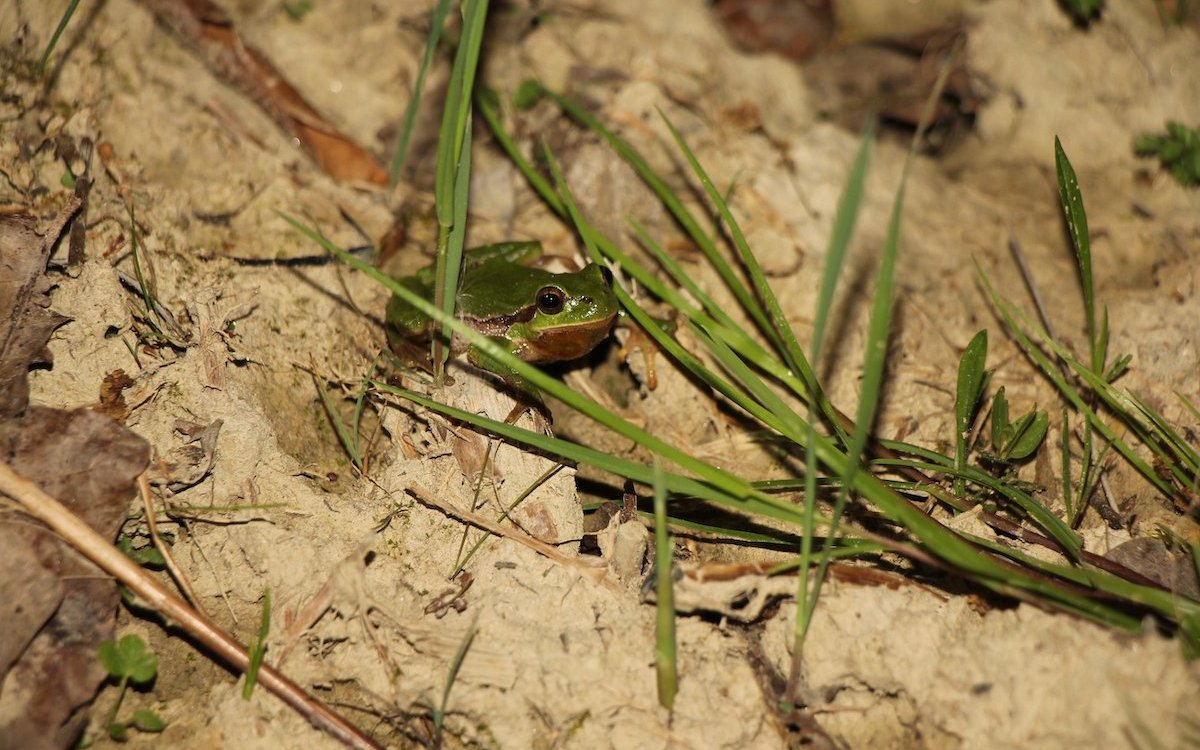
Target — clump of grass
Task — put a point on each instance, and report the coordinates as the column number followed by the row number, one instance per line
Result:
column 771, row 379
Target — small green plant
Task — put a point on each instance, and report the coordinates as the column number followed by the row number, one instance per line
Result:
column 147, row 557
column 972, row 379
column 1015, row 440
column 129, row 661
column 439, row 711
column 1083, row 11
column 258, row 649
column 297, row 9
column 349, row 434
column 1178, row 149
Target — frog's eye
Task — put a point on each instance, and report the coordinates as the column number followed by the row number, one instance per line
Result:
column 550, row 300
column 607, row 274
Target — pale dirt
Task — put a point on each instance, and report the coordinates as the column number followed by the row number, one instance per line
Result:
column 560, row 659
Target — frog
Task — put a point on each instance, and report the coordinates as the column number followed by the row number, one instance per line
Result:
column 537, row 315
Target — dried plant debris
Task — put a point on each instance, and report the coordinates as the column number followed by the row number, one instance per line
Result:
column 54, row 606
column 206, row 27
column 27, row 321
column 188, row 464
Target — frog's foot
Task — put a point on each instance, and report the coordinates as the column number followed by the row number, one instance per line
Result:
column 529, row 401
column 638, row 339
column 524, row 392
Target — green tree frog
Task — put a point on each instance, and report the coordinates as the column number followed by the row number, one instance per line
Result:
column 536, row 315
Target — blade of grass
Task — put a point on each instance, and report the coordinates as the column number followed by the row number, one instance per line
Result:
column 58, row 30
column 664, row 629
column 971, row 379
column 767, row 303
column 669, row 200
column 439, row 713
column 454, row 170
column 457, row 108
column 1076, row 217
column 785, row 339
column 767, row 406
column 436, row 24
column 346, row 435
column 677, row 484
column 875, row 359
column 258, row 649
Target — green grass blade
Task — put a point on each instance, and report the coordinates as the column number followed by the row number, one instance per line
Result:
column 455, row 115
column 1072, row 203
column 677, row 484
column 487, row 102
column 766, row 405
column 971, row 378
column 670, row 201
column 664, row 630
column 874, row 362
column 768, row 306
column 1010, row 316
column 460, row 655
column 712, row 318
column 258, row 649
column 844, row 221
column 346, row 434
column 58, row 30
column 436, row 25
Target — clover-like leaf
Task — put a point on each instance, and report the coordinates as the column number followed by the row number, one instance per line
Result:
column 129, row 658
column 148, row 721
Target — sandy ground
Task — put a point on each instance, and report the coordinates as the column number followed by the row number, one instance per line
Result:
column 563, row 653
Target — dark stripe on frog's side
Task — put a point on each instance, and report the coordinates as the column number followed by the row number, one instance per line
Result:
column 499, row 325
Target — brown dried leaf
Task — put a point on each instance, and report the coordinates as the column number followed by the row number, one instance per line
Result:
column 112, row 395
column 206, row 27
column 56, row 608
column 26, row 321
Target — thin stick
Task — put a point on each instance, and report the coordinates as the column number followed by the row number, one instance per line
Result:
column 83, row 538
column 181, row 579
column 1014, row 247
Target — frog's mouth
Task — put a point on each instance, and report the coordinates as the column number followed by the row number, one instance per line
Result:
column 572, row 341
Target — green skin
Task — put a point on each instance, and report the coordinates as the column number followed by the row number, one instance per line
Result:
column 536, row 315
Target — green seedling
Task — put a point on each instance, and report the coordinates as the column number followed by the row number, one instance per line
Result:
column 258, row 649
column 297, row 9
column 147, row 557
column 1083, row 11
column 1178, row 150
column 129, row 662
column 439, row 712
column 1015, row 440
column 972, row 379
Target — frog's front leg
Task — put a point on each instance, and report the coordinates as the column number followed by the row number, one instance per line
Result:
column 522, row 390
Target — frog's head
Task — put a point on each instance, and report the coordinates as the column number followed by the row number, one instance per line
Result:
column 567, row 316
